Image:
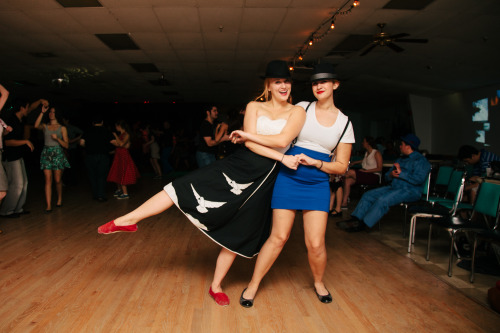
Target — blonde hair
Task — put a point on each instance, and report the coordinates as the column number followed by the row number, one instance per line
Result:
column 265, row 96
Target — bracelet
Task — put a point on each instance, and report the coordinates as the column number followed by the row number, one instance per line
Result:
column 282, row 158
column 321, row 165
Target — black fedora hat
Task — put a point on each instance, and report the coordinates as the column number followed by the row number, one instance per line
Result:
column 323, row 71
column 277, row 69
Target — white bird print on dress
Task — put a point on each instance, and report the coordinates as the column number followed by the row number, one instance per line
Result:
column 204, row 204
column 236, row 188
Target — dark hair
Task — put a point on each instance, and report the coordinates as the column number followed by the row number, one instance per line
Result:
column 371, row 141
column 467, row 151
column 57, row 113
column 97, row 118
column 17, row 104
column 208, row 108
column 123, row 124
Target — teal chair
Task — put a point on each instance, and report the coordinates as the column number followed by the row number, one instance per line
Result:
column 433, row 210
column 453, row 186
column 442, row 180
column 487, row 204
column 425, row 198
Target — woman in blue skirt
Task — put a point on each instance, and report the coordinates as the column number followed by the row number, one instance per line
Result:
column 326, row 129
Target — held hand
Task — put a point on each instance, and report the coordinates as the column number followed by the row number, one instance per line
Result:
column 30, row 145
column 45, row 103
column 291, row 161
column 7, row 129
column 306, row 160
column 45, row 108
column 238, row 136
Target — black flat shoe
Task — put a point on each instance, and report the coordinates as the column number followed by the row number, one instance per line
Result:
column 334, row 213
column 246, row 303
column 324, row 298
column 59, row 205
column 356, row 227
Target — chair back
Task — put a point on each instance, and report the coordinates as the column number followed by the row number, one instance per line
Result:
column 455, row 182
column 458, row 194
column 444, row 175
column 488, row 199
column 426, row 186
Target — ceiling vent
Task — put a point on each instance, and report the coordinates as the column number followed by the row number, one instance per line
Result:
column 118, row 41
column 145, row 67
column 408, row 4
column 79, row 3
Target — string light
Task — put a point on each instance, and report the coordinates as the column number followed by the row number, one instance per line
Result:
column 321, row 31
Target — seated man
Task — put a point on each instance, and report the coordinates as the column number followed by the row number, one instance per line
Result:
column 406, row 178
column 480, row 160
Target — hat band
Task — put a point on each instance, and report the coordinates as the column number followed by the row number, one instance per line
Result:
column 323, row 76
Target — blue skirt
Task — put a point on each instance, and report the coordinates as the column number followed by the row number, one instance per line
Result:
column 306, row 188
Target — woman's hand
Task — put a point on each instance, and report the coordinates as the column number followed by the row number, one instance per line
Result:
column 306, row 160
column 238, row 136
column 291, row 161
column 45, row 107
column 54, row 136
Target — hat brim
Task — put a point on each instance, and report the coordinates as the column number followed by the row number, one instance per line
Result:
column 323, row 76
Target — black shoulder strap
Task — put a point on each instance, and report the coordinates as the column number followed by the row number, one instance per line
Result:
column 295, row 140
column 308, row 105
column 345, row 129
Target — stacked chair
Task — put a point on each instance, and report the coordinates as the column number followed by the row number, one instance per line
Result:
column 445, row 205
column 487, row 204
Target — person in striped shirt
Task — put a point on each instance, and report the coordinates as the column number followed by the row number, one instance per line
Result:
column 480, row 160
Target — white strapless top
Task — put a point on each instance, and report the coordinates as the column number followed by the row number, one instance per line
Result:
column 268, row 126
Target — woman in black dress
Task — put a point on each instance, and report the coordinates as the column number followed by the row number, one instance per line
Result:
column 229, row 200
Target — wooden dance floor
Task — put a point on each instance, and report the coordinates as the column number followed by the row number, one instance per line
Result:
column 58, row 275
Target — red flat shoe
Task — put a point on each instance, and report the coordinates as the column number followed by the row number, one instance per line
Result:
column 111, row 228
column 220, row 298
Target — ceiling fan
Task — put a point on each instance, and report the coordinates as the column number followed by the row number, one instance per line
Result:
column 384, row 39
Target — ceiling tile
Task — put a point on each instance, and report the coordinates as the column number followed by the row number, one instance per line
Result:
column 96, row 20
column 137, row 19
column 262, row 19
column 179, row 19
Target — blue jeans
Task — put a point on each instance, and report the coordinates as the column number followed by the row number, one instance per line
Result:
column 204, row 159
column 18, row 187
column 375, row 203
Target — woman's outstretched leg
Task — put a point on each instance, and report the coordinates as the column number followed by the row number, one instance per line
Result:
column 160, row 202
column 282, row 226
column 224, row 262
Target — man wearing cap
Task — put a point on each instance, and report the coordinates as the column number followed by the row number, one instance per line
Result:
column 406, row 178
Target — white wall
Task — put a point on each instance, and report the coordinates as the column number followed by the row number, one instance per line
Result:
column 452, row 124
column 421, row 108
